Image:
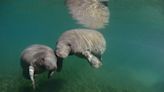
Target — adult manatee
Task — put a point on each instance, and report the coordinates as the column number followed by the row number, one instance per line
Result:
column 36, row 59
column 86, row 43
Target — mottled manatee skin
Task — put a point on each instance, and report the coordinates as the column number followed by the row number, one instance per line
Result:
column 41, row 57
column 77, row 41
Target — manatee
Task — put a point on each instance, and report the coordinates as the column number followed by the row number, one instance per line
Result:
column 36, row 59
column 93, row 14
column 85, row 43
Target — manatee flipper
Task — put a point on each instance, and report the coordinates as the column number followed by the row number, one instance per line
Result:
column 92, row 59
column 99, row 57
column 59, row 64
column 50, row 73
column 31, row 73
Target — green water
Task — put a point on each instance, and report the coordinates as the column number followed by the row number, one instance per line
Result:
column 133, row 61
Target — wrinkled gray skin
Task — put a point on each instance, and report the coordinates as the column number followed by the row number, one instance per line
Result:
column 36, row 59
column 85, row 43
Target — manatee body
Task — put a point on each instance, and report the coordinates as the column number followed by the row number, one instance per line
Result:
column 36, row 59
column 86, row 43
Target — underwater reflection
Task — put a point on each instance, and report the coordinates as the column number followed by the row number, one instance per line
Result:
column 90, row 13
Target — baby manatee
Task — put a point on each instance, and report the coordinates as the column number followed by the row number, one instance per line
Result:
column 36, row 59
column 85, row 43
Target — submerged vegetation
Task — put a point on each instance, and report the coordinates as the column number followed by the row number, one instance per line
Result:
column 75, row 79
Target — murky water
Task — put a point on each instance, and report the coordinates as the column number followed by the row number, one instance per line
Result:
column 133, row 61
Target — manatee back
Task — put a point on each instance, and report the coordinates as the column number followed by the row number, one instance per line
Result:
column 93, row 41
column 84, row 39
column 28, row 54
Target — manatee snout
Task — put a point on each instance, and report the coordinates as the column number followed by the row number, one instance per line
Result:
column 62, row 50
column 61, row 53
column 50, row 63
